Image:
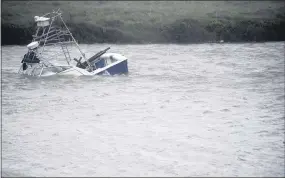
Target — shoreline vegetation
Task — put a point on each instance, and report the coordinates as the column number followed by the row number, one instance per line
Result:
column 131, row 22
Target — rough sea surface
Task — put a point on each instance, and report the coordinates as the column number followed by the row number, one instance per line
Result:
column 206, row 110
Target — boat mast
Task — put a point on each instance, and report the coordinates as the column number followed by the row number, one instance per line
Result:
column 51, row 33
column 74, row 41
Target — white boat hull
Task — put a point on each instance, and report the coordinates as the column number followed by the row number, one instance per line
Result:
column 74, row 71
column 117, row 67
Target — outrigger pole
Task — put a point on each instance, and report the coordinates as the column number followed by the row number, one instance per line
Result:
column 74, row 40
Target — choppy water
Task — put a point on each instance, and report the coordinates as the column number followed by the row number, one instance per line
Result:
column 184, row 110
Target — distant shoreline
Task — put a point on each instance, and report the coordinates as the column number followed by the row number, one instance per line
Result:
column 139, row 25
column 193, row 32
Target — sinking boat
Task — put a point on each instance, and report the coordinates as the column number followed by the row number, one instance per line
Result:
column 49, row 53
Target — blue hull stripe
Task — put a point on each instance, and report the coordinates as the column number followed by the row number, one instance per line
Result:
column 120, row 68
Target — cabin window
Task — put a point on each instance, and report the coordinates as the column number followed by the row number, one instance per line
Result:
column 101, row 63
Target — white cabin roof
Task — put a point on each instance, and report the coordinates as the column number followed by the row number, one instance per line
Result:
column 33, row 45
column 41, row 19
column 114, row 55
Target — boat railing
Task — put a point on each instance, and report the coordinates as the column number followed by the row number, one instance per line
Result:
column 51, row 56
column 56, row 31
